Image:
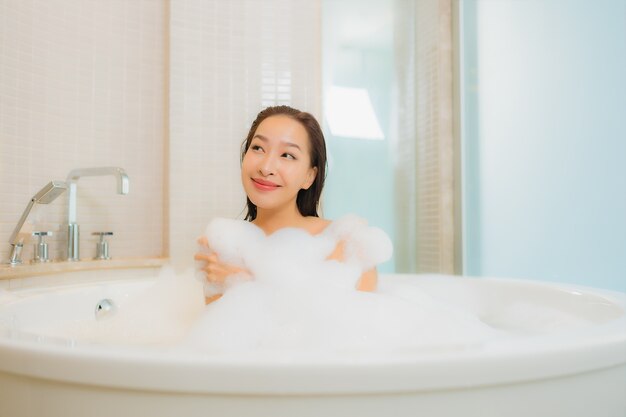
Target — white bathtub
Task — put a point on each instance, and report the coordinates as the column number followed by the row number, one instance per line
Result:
column 547, row 370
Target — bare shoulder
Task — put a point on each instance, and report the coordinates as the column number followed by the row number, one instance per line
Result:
column 316, row 225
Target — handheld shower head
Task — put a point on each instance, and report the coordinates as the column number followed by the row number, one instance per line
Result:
column 50, row 192
column 44, row 196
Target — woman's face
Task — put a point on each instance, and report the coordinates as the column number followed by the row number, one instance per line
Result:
column 277, row 163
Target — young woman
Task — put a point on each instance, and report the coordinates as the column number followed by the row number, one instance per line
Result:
column 283, row 168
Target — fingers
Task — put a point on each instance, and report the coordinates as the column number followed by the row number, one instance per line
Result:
column 208, row 257
column 201, row 257
column 204, row 250
column 213, row 269
column 215, row 297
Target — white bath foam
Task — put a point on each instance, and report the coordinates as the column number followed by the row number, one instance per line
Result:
column 311, row 318
column 365, row 245
column 300, row 301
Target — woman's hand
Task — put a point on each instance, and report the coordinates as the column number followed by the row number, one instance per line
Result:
column 214, row 269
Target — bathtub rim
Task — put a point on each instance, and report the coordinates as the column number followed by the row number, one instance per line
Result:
column 539, row 359
column 154, row 372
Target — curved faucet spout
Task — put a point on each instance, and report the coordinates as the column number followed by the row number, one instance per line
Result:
column 123, row 186
column 118, row 173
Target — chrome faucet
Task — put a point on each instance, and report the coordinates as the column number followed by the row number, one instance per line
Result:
column 73, row 248
column 46, row 195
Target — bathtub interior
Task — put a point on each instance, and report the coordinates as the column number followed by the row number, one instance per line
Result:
column 525, row 307
column 514, row 307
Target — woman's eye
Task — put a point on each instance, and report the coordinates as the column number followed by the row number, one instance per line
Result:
column 256, row 148
column 288, row 156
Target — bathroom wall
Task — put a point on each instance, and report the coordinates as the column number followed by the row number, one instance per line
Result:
column 164, row 89
column 544, row 99
column 229, row 60
column 82, row 85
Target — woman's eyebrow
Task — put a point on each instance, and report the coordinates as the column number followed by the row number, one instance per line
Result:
column 290, row 144
column 293, row 145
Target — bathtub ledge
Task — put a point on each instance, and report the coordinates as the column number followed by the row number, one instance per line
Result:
column 8, row 272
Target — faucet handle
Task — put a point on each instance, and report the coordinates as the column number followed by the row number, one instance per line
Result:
column 102, row 247
column 40, row 253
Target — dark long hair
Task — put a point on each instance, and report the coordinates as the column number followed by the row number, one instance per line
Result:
column 307, row 200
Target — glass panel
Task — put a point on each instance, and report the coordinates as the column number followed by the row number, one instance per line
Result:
column 359, row 73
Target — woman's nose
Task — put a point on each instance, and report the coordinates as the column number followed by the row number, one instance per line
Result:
column 268, row 166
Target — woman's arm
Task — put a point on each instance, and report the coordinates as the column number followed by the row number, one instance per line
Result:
column 369, row 279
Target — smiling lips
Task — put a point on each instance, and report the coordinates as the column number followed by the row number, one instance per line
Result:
column 264, row 185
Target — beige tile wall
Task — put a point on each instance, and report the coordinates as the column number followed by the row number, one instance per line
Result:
column 166, row 90
column 434, row 160
column 425, row 166
column 230, row 59
column 81, row 85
